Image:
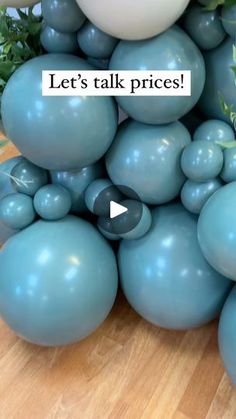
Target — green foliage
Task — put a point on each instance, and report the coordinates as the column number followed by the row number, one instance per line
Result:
column 19, row 41
column 215, row 3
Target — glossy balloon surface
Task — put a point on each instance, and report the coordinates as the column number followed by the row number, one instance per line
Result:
column 214, row 130
column 165, row 277
column 6, row 167
column 228, row 16
column 57, row 133
column 27, row 178
column 147, row 159
column 52, row 202
column 194, row 195
column 17, row 211
column 205, row 28
column 61, row 288
column 77, row 182
column 6, row 233
column 142, row 227
column 59, row 42
column 94, row 42
column 172, row 50
column 227, row 335
column 126, row 20
column 202, row 161
column 63, row 15
column 228, row 173
column 219, row 81
column 217, row 230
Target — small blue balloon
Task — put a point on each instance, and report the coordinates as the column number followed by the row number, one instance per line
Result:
column 52, row 202
column 99, row 195
column 194, row 195
column 228, row 173
column 63, row 15
column 59, row 42
column 142, row 227
column 6, row 167
column 17, row 211
column 228, row 18
column 94, row 42
column 214, row 130
column 27, row 178
column 201, row 161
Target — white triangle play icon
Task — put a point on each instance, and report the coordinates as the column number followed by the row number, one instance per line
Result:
column 116, row 209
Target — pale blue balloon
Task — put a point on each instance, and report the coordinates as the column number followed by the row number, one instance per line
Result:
column 17, row 211
column 52, row 202
column 194, row 195
column 228, row 173
column 214, row 130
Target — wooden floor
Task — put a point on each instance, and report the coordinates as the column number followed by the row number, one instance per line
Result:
column 127, row 369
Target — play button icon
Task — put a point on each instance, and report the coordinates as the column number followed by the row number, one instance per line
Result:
column 116, row 209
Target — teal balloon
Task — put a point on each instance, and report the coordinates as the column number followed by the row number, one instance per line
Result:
column 201, row 161
column 17, row 211
column 6, row 167
column 99, row 64
column 220, row 81
column 99, row 194
column 58, row 42
column 94, row 42
column 214, row 130
column 62, row 284
column 204, row 27
column 194, row 195
column 171, row 50
column 6, row 233
column 147, row 159
column 56, row 133
column 165, row 277
column 104, row 225
column 217, row 230
column 27, row 178
column 228, row 18
column 76, row 182
column 52, row 202
column 227, row 335
column 142, row 227
column 228, row 173
column 63, row 15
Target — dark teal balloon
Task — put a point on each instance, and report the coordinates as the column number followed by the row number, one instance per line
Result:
column 214, row 130
column 105, row 227
column 58, row 42
column 57, row 133
column 52, row 202
column 94, row 42
column 147, row 159
column 63, row 15
column 228, row 17
column 143, row 225
column 194, row 195
column 165, row 276
column 227, row 335
column 201, row 161
column 220, row 81
column 77, row 182
column 228, row 173
column 17, row 211
column 217, row 230
column 27, row 178
column 62, row 284
column 99, row 194
column 205, row 28
column 6, row 167
column 171, row 50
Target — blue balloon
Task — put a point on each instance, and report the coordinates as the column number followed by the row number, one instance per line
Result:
column 228, row 17
column 220, row 81
column 6, row 167
column 58, row 42
column 52, row 202
column 77, row 181
column 17, row 211
column 94, row 42
column 194, row 195
column 147, row 159
column 214, row 130
column 56, row 133
column 228, row 173
column 217, row 230
column 63, row 15
column 143, row 225
column 204, row 27
column 27, row 178
column 62, row 284
column 171, row 50
column 227, row 335
column 165, row 276
column 99, row 194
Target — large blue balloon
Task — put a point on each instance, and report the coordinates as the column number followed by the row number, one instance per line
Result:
column 57, row 133
column 220, row 80
column 227, row 335
column 147, row 159
column 165, row 276
column 62, row 283
column 217, row 230
column 172, row 50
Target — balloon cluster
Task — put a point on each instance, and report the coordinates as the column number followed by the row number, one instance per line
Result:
column 59, row 274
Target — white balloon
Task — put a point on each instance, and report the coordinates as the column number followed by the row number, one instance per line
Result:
column 133, row 19
column 18, row 4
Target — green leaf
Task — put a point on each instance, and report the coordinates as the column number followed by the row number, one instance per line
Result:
column 213, row 4
column 229, row 144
